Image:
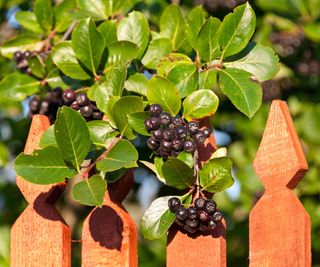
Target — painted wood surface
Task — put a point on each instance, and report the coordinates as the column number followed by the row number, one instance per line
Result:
column 40, row 237
column 279, row 225
column 202, row 250
column 109, row 235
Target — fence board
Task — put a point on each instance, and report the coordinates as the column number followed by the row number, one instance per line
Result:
column 109, row 235
column 279, row 225
column 40, row 237
column 198, row 250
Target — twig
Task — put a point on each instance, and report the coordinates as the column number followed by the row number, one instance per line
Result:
column 69, row 31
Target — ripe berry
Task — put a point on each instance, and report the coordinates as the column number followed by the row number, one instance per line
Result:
column 189, row 229
column 157, row 134
column 27, row 54
column 177, row 121
column 165, row 146
column 189, row 146
column 152, row 144
column 44, row 107
column 203, row 216
column 68, row 96
column 174, row 203
column 181, row 214
column 17, row 56
column 192, row 223
column 206, row 132
column 180, row 223
column 74, row 105
column 86, row 111
column 177, row 145
column 193, row 127
column 164, row 154
column 82, row 100
column 165, row 118
column 212, row 224
column 192, row 213
column 217, row 216
column 169, row 134
column 155, row 123
column 182, row 132
column 199, row 137
column 35, row 104
column 203, row 228
column 155, row 110
column 97, row 115
column 199, row 203
column 210, row 206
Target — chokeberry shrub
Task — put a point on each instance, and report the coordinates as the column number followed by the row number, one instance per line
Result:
column 104, row 73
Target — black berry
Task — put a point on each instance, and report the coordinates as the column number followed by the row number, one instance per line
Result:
column 165, row 118
column 157, row 134
column 44, row 107
column 74, row 105
column 199, row 137
column 192, row 223
column 86, row 111
column 182, row 132
column 217, row 216
column 203, row 228
column 212, row 225
column 35, row 104
column 82, row 100
column 177, row 145
column 155, row 123
column 27, row 54
column 206, row 132
column 203, row 216
column 181, row 214
column 199, row 203
column 155, row 110
column 178, row 121
column 189, row 146
column 189, row 229
column 17, row 56
column 174, row 203
column 210, row 206
column 165, row 146
column 192, row 213
column 152, row 144
column 169, row 134
column 193, row 127
column 97, row 115
column 68, row 96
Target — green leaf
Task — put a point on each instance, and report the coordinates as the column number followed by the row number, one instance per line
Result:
column 136, row 121
column 88, row 44
column 114, row 176
column 122, row 53
column 4, row 155
column 312, row 31
column 48, row 138
column 21, row 43
column 122, row 155
column 108, row 30
column 28, row 20
column 109, row 110
column 196, row 18
column 96, row 9
column 17, row 86
column 172, row 26
column 155, row 168
column 157, row 220
column 157, row 49
column 135, row 28
column 124, row 107
column 44, row 166
column 200, row 104
column 208, row 40
column 65, row 59
column 44, row 13
column 207, row 79
column 63, row 13
column 91, row 191
column 178, row 174
column 168, row 62
column 37, row 66
column 185, row 76
column 72, row 136
column 187, row 158
column 215, row 175
column 244, row 93
column 260, row 61
column 137, row 83
column 163, row 92
column 101, row 133
column 237, row 29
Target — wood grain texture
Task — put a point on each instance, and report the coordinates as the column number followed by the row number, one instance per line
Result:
column 40, row 237
column 202, row 250
column 109, row 235
column 279, row 225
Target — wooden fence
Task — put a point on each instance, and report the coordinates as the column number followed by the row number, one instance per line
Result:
column 279, row 225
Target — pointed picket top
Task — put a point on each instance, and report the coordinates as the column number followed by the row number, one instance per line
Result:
column 280, row 160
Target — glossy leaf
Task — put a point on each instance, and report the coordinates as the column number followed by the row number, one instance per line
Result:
column 101, row 133
column 136, row 121
column 157, row 49
column 28, row 20
column 215, row 175
column 44, row 166
column 187, row 158
column 96, row 9
column 168, row 62
column 163, row 92
column 122, row 155
column 122, row 53
column 63, row 13
column 137, row 83
column 207, row 79
column 91, row 191
column 178, row 174
column 108, row 30
column 44, row 13
column 37, row 66
column 153, row 167
column 88, row 44
column 48, row 138
column 157, row 220
column 244, row 93
column 200, row 104
column 72, row 136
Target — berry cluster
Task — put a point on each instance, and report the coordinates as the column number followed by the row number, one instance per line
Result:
column 286, row 43
column 171, row 135
column 22, row 59
column 202, row 216
column 54, row 99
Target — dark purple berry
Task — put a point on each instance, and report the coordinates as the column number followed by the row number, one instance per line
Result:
column 164, row 154
column 165, row 146
column 217, row 216
column 180, row 223
column 82, row 100
column 199, row 203
column 27, row 54
column 86, row 111
column 189, row 229
column 189, row 146
column 35, row 104
column 155, row 123
column 181, row 214
column 152, row 144
column 199, row 137
column 206, row 132
column 182, row 132
column 177, row 145
column 203, row 216
column 203, row 228
column 178, row 121
column 157, row 134
column 97, row 115
column 174, row 203
column 155, row 110
column 165, row 118
column 192, row 213
column 193, row 127
column 212, row 224
column 68, row 96
column 169, row 134
column 210, row 206
column 192, row 223
column 17, row 56
column 57, row 93
column 44, row 107
column 74, row 105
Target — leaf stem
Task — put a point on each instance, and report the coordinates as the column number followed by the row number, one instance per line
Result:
column 69, row 31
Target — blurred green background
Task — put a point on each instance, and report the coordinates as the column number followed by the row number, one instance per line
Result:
column 292, row 28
